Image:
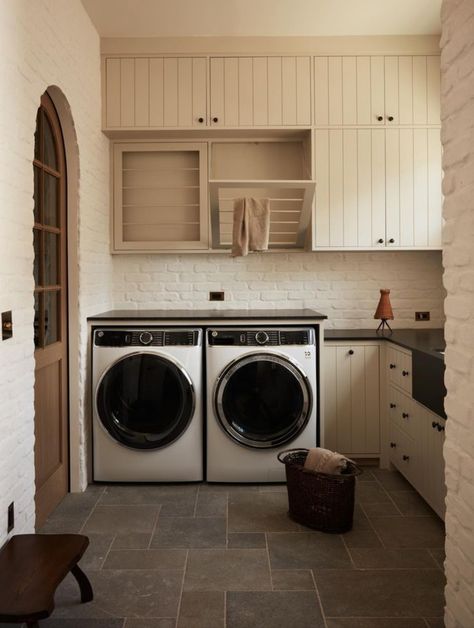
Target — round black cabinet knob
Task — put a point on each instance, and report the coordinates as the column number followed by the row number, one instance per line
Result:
column 393, row 445
column 351, row 352
column 380, row 118
column 393, row 366
column 393, row 405
column 434, row 425
column 380, row 240
column 440, row 428
column 405, row 415
column 390, row 118
column 146, row 337
column 261, row 337
column 405, row 373
column 215, row 119
column 391, row 241
column 404, row 457
column 201, row 120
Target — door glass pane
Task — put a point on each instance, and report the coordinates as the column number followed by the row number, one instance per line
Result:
column 37, row 323
column 50, row 208
column 49, row 157
column 38, row 135
column 51, row 317
column 36, row 195
column 262, row 400
column 37, row 261
column 145, row 401
column 51, row 250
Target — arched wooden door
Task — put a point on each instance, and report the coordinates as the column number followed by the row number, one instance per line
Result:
column 50, row 326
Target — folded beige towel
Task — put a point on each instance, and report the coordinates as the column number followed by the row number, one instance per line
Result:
column 251, row 226
column 325, row 461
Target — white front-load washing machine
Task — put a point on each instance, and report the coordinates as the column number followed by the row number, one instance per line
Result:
column 147, row 404
column 261, row 399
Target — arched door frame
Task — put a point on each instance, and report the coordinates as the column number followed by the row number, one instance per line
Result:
column 72, row 168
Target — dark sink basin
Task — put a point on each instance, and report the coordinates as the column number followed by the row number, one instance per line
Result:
column 428, row 380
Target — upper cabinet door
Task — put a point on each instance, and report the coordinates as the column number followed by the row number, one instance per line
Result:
column 157, row 92
column 376, row 90
column 260, row 91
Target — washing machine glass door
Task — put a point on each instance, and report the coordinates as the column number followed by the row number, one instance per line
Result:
column 145, row 401
column 263, row 400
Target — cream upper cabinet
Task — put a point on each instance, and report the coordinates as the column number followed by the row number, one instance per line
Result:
column 260, row 91
column 352, row 398
column 377, row 188
column 377, row 90
column 155, row 92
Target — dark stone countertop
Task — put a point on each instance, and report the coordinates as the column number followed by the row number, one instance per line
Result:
column 425, row 340
column 211, row 315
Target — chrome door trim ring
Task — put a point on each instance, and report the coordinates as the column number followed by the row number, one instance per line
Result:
column 283, row 360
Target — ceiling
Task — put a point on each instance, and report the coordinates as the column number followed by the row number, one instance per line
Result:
column 184, row 18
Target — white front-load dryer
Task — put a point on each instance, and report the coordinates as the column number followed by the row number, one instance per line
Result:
column 261, row 399
column 147, row 405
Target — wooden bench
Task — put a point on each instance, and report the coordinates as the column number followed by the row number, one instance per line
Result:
column 31, row 568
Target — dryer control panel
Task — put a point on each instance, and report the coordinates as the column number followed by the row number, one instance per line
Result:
column 260, row 337
column 149, row 337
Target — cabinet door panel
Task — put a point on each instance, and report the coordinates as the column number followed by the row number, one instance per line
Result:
column 364, row 110
column 349, row 90
column 156, row 92
column 419, row 91
column 344, row 400
column 322, row 201
column 358, row 401
column 392, row 182
column 391, row 89
column 185, row 92
column 434, row 188
column 405, row 90
column 112, row 87
column 170, row 89
column 336, row 186
column 245, row 86
column 420, row 186
column 321, row 91
column 275, row 93
column 372, row 399
column 260, row 91
column 229, row 115
column 217, row 90
column 127, row 93
column 142, row 92
column 364, row 228
column 377, row 89
column 199, row 91
column 378, row 188
column 330, row 398
column 350, row 189
column 335, row 90
column 303, row 91
column 433, row 89
column 288, row 72
column 406, row 188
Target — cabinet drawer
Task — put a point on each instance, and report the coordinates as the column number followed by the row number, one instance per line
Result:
column 404, row 453
column 399, row 369
column 402, row 412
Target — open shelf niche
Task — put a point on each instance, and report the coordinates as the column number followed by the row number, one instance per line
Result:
column 277, row 169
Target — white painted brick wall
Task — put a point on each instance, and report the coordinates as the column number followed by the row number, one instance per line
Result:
column 457, row 100
column 43, row 43
column 345, row 286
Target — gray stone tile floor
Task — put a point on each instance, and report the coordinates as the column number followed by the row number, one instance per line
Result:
column 226, row 556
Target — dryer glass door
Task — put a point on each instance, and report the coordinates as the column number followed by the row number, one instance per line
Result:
column 145, row 401
column 263, row 400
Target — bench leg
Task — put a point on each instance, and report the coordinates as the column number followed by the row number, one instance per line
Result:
column 87, row 594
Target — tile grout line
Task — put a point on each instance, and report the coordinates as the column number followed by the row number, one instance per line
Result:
column 178, row 610
column 155, row 525
column 318, row 597
column 372, row 526
column 108, row 552
column 196, row 499
column 389, row 496
column 92, row 509
column 269, row 562
column 348, row 551
column 225, row 609
column 227, row 521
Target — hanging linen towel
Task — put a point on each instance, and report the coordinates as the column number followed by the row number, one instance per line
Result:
column 325, row 461
column 251, row 225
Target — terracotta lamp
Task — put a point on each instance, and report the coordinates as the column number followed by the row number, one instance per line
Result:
column 384, row 311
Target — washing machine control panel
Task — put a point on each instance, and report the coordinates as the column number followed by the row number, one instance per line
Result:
column 260, row 337
column 147, row 337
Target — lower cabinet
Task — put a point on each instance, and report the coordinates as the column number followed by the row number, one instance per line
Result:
column 416, row 438
column 352, row 399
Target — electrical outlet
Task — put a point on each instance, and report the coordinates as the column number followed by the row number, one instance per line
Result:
column 11, row 517
column 7, row 325
column 422, row 316
column 216, row 296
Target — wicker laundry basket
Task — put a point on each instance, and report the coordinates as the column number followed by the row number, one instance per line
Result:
column 319, row 500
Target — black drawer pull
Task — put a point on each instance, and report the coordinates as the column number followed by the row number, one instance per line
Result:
column 380, row 240
column 440, row 428
column 351, row 351
column 201, row 120
column 393, row 445
column 434, row 425
column 393, row 405
column 405, row 457
column 390, row 118
column 405, row 415
column 393, row 366
column 405, row 373
column 215, row 119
